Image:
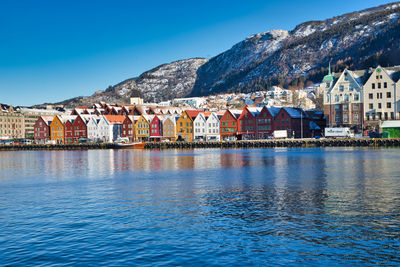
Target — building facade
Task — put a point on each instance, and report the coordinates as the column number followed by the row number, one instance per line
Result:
column 12, row 124
column 42, row 129
column 381, row 98
column 229, row 124
column 343, row 100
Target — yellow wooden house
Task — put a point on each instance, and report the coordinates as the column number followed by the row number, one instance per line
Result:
column 57, row 130
column 142, row 127
column 184, row 125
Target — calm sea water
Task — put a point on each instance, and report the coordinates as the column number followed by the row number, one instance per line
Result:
column 200, row 207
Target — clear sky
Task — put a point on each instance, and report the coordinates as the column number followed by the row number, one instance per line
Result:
column 53, row 50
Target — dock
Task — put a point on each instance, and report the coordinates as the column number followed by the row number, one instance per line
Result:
column 283, row 143
column 278, row 143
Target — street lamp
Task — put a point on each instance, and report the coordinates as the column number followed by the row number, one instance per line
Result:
column 301, row 122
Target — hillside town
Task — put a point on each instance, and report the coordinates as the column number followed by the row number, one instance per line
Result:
column 363, row 101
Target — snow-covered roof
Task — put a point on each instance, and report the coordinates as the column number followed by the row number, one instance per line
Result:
column 254, row 111
column 274, row 111
column 295, row 113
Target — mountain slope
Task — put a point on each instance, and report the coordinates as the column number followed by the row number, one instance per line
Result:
column 282, row 55
column 164, row 82
column 288, row 58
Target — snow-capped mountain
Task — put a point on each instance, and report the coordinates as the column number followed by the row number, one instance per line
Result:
column 352, row 37
column 357, row 40
column 164, row 82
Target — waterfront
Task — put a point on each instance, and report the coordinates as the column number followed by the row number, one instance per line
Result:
column 313, row 206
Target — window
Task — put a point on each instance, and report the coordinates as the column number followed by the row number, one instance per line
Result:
column 337, row 98
column 389, row 105
column 345, row 107
column 356, row 97
column 389, row 95
column 373, row 86
column 371, row 106
column 346, row 118
column 379, row 85
column 379, row 105
column 385, row 85
column 356, row 117
column 345, row 76
column 337, row 118
column 341, row 88
column 355, row 107
column 346, row 97
column 371, row 96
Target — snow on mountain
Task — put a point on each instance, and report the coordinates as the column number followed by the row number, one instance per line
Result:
column 310, row 46
column 358, row 37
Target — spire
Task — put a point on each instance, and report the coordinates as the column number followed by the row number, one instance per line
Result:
column 329, row 73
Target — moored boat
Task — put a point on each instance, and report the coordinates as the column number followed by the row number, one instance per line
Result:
column 130, row 145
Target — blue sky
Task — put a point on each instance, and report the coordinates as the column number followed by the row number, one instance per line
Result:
column 54, row 50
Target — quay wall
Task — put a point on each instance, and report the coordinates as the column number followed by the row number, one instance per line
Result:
column 57, row 147
column 278, row 143
column 232, row 144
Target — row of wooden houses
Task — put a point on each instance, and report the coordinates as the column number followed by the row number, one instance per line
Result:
column 189, row 125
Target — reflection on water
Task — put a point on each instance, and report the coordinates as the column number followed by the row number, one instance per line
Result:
column 203, row 207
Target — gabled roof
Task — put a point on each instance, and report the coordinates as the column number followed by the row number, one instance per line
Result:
column 254, row 111
column 295, row 113
column 235, row 112
column 273, row 111
column 149, row 118
column 192, row 113
column 47, row 119
column 65, row 118
column 115, row 119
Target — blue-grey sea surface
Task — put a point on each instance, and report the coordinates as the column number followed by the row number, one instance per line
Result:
column 311, row 206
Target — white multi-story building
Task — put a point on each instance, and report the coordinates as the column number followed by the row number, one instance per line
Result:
column 104, row 130
column 381, row 96
column 199, row 126
column 212, row 128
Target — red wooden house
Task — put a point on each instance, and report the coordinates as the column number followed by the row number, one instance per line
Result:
column 156, row 132
column 229, row 124
column 128, row 128
column 265, row 122
column 79, row 129
column 69, row 131
column 295, row 121
column 247, row 125
column 42, row 129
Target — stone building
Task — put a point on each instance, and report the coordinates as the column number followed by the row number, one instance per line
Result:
column 32, row 115
column 343, row 99
column 381, row 96
column 11, row 124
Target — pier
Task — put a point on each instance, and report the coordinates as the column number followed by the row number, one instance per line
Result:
column 57, row 147
column 223, row 145
column 278, row 143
